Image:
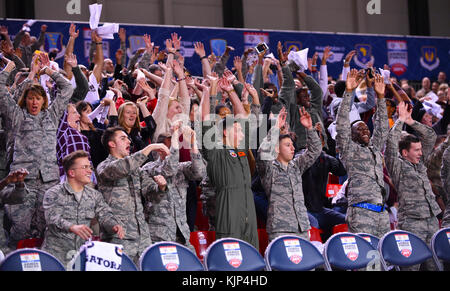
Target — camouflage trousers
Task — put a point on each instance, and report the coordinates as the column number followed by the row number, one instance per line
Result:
column 3, row 236
column 274, row 235
column 163, row 236
column 424, row 229
column 361, row 220
column 133, row 248
column 27, row 219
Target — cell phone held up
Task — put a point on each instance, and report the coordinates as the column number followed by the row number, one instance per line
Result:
column 369, row 72
column 260, row 48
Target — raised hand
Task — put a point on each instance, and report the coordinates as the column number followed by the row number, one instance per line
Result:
column 199, row 49
column 379, row 87
column 404, row 113
column 354, row 78
column 237, row 62
column 305, row 118
column 122, row 34
column 73, row 31
column 327, row 53
column 349, row 57
column 225, row 85
column 230, row 76
column 71, row 60
column 281, row 119
column 176, row 41
column 169, row 46
column 148, row 43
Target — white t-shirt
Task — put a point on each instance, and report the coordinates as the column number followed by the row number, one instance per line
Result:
column 92, row 95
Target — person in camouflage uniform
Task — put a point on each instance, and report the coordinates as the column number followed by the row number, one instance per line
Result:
column 166, row 215
column 123, row 183
column 69, row 208
column 434, row 165
column 405, row 160
column 363, row 160
column 12, row 191
column 281, row 177
column 33, row 124
column 445, row 176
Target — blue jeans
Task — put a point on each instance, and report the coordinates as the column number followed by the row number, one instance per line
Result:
column 327, row 218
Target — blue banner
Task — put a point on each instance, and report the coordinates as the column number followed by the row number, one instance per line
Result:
column 410, row 57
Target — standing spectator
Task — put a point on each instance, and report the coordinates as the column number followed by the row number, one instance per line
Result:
column 363, row 161
column 71, row 205
column 34, row 124
column 281, row 177
column 27, row 44
column 406, row 158
column 123, row 183
column 445, row 176
column 426, row 88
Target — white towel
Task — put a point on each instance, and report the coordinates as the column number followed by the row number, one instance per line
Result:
column 101, row 256
column 101, row 112
column 386, row 75
column 300, row 58
column 108, row 29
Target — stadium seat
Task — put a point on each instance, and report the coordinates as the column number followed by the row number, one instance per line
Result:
column 31, row 260
column 230, row 254
column 201, row 241
column 29, row 243
column 80, row 263
column 292, row 253
column 169, row 256
column 348, row 251
column 314, row 234
column 370, row 238
column 401, row 248
column 340, row 228
column 440, row 247
column 332, row 190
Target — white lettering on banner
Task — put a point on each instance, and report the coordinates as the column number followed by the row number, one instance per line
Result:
column 373, row 7
column 30, row 262
column 73, row 7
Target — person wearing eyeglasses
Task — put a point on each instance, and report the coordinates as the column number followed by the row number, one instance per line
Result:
column 70, row 206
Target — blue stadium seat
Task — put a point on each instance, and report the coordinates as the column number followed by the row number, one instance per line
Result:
column 440, row 247
column 169, row 256
column 80, row 263
column 401, row 248
column 292, row 253
column 370, row 238
column 348, row 251
column 31, row 260
column 230, row 254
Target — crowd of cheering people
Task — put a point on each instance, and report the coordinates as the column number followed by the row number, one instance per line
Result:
column 119, row 150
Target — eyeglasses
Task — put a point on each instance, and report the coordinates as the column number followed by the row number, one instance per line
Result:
column 85, row 167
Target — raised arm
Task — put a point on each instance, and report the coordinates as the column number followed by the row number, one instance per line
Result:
column 99, row 59
column 200, row 51
column 73, row 34
column 381, row 124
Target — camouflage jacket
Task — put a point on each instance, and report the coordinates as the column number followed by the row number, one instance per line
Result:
column 364, row 164
column 35, row 136
column 283, row 186
column 167, row 212
column 123, row 183
column 62, row 210
column 434, row 168
column 416, row 199
column 13, row 194
column 445, row 176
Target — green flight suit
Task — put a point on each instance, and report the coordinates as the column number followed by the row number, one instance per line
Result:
column 229, row 173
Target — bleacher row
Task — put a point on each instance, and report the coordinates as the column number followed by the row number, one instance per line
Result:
column 342, row 251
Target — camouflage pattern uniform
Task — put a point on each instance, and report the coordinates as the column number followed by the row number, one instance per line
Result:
column 123, row 183
column 417, row 204
column 12, row 194
column 434, row 169
column 287, row 211
column 445, row 176
column 208, row 198
column 34, row 150
column 167, row 213
column 63, row 209
column 364, row 165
